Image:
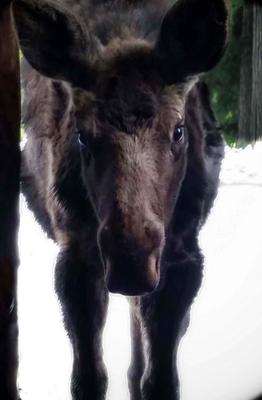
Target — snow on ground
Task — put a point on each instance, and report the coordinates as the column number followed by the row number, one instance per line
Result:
column 220, row 358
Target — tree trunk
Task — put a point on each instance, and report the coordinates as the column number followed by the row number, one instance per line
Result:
column 9, row 195
column 250, row 106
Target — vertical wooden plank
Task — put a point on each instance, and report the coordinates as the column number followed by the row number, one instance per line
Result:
column 9, row 195
column 245, row 98
column 256, row 104
column 250, row 109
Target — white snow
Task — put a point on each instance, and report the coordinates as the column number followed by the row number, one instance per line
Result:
column 220, row 358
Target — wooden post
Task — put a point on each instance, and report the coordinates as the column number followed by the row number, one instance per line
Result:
column 245, row 98
column 9, row 195
column 256, row 105
column 250, row 109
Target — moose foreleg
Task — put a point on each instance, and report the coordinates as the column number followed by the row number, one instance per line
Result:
column 165, row 315
column 84, row 300
column 137, row 365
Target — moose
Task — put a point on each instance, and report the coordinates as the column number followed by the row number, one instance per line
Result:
column 121, row 168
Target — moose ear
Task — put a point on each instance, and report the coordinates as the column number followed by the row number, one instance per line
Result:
column 192, row 38
column 53, row 41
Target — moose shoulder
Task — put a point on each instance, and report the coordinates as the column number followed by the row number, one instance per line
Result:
column 121, row 168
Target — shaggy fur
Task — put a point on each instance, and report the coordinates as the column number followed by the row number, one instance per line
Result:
column 112, row 175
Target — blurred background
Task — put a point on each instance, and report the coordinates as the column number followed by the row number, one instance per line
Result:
column 236, row 83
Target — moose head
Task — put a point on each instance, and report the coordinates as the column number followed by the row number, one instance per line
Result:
column 128, row 95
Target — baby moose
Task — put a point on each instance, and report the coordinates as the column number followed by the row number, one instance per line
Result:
column 121, row 168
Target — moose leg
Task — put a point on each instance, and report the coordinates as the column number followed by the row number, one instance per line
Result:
column 136, row 368
column 84, row 300
column 164, row 314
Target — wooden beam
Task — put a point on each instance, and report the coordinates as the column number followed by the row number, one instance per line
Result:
column 9, row 196
column 250, row 109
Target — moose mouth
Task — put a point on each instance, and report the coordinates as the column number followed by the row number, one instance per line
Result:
column 132, row 276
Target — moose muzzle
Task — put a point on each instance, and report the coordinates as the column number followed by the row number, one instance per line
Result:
column 132, row 264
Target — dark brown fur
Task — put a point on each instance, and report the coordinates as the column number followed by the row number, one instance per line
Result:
column 127, row 202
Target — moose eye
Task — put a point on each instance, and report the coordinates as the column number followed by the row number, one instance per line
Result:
column 179, row 133
column 84, row 143
column 82, row 138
